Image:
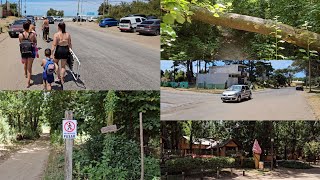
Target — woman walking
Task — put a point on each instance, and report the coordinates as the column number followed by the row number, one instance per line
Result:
column 27, row 41
column 60, row 48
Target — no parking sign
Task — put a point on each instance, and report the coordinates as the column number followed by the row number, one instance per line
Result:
column 69, row 128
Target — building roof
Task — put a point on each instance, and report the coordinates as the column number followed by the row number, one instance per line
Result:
column 211, row 143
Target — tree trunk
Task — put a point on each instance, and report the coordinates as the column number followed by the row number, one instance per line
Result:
column 288, row 33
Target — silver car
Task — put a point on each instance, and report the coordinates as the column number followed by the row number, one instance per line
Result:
column 236, row 93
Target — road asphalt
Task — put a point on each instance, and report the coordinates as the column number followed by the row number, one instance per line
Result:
column 269, row 104
column 107, row 62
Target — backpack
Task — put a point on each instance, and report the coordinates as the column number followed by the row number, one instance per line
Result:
column 26, row 46
column 49, row 67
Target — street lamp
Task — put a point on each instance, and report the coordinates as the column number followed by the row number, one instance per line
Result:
column 272, row 140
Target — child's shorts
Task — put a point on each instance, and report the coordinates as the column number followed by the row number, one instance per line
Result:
column 48, row 78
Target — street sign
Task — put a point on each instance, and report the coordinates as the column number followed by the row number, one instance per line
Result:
column 107, row 129
column 69, row 128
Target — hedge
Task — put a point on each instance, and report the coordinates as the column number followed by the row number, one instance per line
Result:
column 294, row 164
column 188, row 164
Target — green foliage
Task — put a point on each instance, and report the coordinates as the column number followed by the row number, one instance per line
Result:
column 5, row 135
column 119, row 160
column 294, row 165
column 189, row 164
column 179, row 12
column 53, row 12
column 312, row 149
column 149, row 8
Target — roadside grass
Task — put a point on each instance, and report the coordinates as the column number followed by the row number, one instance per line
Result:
column 313, row 99
column 55, row 165
column 4, row 23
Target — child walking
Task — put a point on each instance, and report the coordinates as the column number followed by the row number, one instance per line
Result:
column 49, row 68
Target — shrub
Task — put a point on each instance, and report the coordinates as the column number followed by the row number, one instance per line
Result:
column 294, row 165
column 5, row 135
column 248, row 163
column 189, row 164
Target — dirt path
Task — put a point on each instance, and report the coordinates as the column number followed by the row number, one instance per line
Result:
column 28, row 163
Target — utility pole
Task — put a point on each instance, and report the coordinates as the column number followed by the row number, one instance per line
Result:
column 18, row 8
column 68, row 151
column 104, row 6
column 25, row 7
column 78, row 8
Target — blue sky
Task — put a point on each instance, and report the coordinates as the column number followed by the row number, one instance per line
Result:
column 70, row 7
column 276, row 64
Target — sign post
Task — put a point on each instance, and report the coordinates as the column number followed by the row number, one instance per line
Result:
column 69, row 128
column 141, row 147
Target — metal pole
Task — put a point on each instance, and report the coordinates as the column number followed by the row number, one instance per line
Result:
column 309, row 74
column 25, row 7
column 68, row 151
column 141, row 147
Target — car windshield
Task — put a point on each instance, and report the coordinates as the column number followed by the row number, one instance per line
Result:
column 19, row 22
column 147, row 22
column 125, row 21
column 234, row 88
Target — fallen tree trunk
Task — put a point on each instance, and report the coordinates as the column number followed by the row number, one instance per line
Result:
column 288, row 33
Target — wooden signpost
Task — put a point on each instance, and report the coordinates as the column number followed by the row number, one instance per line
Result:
column 68, row 150
column 141, row 147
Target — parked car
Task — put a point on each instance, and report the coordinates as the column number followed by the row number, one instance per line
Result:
column 130, row 23
column 151, row 26
column 108, row 22
column 16, row 28
column 93, row 19
column 236, row 93
column 31, row 18
column 299, row 88
column 136, row 15
column 80, row 18
column 50, row 19
column 57, row 18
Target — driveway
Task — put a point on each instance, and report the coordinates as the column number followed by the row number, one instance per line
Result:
column 269, row 104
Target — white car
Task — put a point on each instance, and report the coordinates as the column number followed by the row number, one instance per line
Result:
column 92, row 19
column 130, row 23
column 236, row 93
column 57, row 18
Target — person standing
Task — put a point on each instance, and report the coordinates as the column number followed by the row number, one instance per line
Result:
column 45, row 29
column 27, row 41
column 60, row 48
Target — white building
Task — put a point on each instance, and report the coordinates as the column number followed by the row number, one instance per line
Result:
column 218, row 76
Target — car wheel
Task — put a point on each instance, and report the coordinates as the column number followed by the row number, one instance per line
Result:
column 239, row 99
column 157, row 33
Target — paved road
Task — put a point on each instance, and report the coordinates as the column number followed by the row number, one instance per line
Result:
column 270, row 104
column 28, row 163
column 108, row 62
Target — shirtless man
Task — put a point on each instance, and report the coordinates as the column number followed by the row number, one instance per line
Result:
column 45, row 28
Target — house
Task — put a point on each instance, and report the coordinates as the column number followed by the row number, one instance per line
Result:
column 220, row 77
column 208, row 146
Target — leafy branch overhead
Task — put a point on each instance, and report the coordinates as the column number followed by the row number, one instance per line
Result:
column 179, row 12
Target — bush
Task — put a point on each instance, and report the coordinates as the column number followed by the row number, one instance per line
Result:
column 188, row 164
column 248, row 163
column 5, row 135
column 294, row 165
column 120, row 159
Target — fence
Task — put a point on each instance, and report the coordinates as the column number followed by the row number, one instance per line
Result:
column 211, row 86
column 175, row 84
